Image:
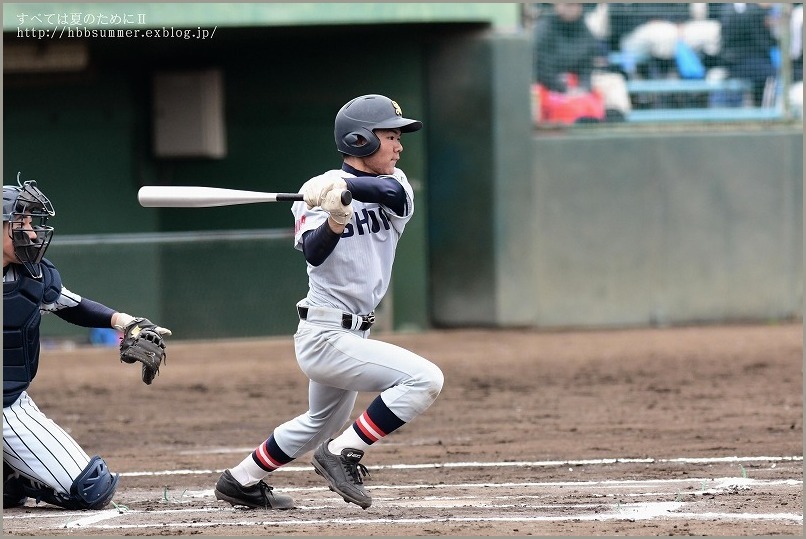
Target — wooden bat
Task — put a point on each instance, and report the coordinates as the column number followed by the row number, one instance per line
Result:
column 185, row 196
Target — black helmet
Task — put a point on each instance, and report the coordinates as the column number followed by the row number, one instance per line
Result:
column 26, row 200
column 356, row 120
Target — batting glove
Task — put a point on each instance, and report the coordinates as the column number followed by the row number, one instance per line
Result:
column 338, row 211
column 315, row 190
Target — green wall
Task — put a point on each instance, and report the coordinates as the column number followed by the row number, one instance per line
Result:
column 479, row 170
column 88, row 138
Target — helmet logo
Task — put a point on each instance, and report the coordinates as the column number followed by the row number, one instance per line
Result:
column 397, row 108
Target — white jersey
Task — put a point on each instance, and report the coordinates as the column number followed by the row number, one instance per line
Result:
column 356, row 275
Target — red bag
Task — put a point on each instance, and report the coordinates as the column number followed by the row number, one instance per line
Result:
column 556, row 107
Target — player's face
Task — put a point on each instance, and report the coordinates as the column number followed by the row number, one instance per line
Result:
column 385, row 159
column 9, row 255
column 8, row 246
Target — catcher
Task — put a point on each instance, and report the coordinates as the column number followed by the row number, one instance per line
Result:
column 41, row 460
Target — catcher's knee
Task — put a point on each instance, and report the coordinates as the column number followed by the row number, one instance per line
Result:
column 92, row 489
column 95, row 485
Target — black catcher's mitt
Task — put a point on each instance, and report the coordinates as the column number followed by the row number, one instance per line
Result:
column 143, row 342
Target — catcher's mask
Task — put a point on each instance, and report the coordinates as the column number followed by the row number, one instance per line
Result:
column 357, row 119
column 27, row 210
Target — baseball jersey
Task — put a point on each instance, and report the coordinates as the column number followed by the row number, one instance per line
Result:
column 356, row 275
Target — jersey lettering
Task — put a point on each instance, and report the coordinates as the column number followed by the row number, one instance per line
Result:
column 369, row 219
column 384, row 218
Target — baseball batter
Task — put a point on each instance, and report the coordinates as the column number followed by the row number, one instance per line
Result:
column 349, row 252
column 40, row 459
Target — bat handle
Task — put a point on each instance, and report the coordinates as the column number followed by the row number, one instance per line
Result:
column 346, row 197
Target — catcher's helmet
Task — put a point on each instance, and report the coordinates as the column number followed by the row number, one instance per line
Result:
column 28, row 210
column 356, row 120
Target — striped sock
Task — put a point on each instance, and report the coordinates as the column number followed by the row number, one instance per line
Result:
column 265, row 459
column 375, row 423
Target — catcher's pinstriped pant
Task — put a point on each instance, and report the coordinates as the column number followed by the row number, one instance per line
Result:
column 40, row 449
column 340, row 363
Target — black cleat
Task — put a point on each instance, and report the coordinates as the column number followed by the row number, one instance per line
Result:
column 343, row 473
column 259, row 496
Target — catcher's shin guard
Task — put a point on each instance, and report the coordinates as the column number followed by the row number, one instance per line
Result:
column 92, row 489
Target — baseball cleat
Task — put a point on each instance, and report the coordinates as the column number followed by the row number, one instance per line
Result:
column 343, row 473
column 259, row 496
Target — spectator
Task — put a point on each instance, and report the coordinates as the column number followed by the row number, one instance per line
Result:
column 796, row 54
column 563, row 44
column 566, row 53
column 747, row 46
column 647, row 35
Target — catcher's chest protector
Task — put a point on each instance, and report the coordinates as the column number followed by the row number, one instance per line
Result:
column 21, row 318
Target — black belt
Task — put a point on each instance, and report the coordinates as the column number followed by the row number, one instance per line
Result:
column 367, row 320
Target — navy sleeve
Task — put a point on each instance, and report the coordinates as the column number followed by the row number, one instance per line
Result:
column 88, row 314
column 384, row 190
column 317, row 244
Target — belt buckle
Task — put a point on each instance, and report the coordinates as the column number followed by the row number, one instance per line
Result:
column 368, row 320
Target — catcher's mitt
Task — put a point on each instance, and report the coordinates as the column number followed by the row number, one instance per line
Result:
column 143, row 342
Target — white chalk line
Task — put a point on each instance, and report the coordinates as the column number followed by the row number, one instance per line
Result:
column 631, row 512
column 722, row 486
column 628, row 511
column 619, row 511
column 516, row 464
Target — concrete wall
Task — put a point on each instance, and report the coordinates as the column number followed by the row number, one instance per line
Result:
column 633, row 230
column 673, row 228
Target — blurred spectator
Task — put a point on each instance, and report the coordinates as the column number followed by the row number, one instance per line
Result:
column 647, row 35
column 796, row 54
column 748, row 45
column 567, row 87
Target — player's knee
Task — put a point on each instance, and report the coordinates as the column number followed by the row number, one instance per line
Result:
column 95, row 486
column 92, row 489
column 432, row 381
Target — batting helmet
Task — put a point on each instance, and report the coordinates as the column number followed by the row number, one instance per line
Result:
column 357, row 119
column 28, row 209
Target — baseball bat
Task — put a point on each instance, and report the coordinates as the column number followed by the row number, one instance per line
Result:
column 185, row 196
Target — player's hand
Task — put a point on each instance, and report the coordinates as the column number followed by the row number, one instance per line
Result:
column 315, row 190
column 125, row 319
column 338, row 211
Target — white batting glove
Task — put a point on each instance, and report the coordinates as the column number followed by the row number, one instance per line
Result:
column 338, row 211
column 314, row 190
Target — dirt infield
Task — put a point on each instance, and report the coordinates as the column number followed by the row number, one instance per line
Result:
column 685, row 431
